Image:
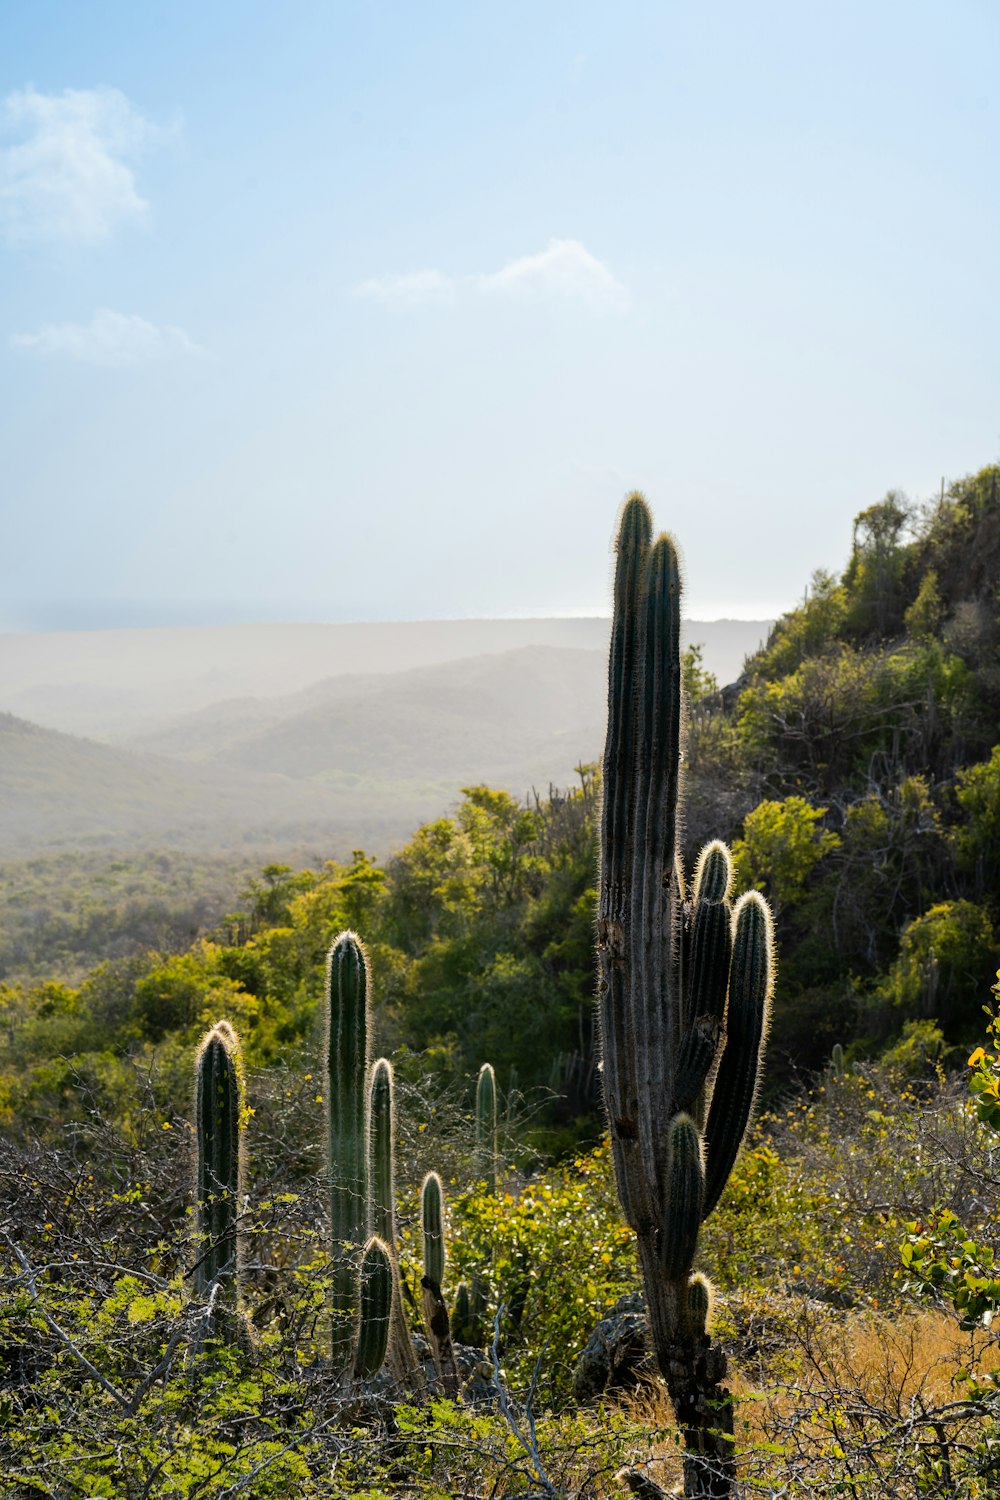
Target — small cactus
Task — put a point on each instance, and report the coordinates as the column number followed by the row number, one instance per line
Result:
column 432, row 1224
column 375, row 1311
column 218, row 1189
column 435, row 1308
column 486, row 1126
column 461, row 1316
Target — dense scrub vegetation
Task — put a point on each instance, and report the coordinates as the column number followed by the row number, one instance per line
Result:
column 842, row 1300
column 62, row 914
column 855, row 770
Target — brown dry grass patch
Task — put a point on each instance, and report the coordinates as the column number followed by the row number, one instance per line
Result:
column 863, row 1405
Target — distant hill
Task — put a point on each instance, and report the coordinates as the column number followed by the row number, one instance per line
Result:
column 115, row 684
column 60, row 792
column 319, row 737
column 357, row 761
column 525, row 716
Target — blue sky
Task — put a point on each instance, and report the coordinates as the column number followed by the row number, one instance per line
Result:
column 375, row 311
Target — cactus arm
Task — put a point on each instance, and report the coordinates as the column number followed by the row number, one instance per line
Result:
column 684, row 1198
column 750, row 989
column 713, row 874
column 700, row 1304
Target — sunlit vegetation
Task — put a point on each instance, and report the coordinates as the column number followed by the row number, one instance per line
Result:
column 856, row 1250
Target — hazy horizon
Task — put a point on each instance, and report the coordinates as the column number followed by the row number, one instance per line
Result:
column 126, row 617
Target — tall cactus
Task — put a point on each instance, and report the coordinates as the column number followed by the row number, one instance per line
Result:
column 383, row 1152
column 402, row 1356
column 684, row 994
column 346, row 1059
column 218, row 1189
column 486, row 1126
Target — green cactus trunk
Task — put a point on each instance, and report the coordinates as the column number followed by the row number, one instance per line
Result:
column 486, row 1126
column 346, row 1058
column 432, row 1282
column 376, row 1302
column 402, row 1356
column 218, row 1127
column 383, row 1194
column 684, row 995
column 432, row 1226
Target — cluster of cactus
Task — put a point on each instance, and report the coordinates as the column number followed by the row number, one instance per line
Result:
column 685, row 982
column 368, row 1321
column 367, row 1318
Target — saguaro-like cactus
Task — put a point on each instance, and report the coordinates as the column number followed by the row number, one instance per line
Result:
column 346, row 1059
column 685, row 985
column 218, row 1189
column 486, row 1126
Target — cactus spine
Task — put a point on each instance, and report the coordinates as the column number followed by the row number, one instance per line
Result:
column 346, row 1058
column 218, row 1127
column 684, row 994
column 486, row 1126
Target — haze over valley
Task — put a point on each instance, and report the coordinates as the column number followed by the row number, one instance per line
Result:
column 325, row 737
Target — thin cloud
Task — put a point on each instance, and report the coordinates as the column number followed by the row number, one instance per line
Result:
column 409, row 290
column 565, row 270
column 67, row 176
column 111, row 339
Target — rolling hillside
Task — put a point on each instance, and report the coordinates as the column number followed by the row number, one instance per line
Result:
column 116, row 684
column 356, row 761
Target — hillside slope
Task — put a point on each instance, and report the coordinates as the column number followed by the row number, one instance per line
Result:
column 112, row 684
column 354, row 762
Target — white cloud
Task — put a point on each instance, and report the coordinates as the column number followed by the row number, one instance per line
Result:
column 66, row 176
column 109, row 339
column 409, row 290
column 566, row 269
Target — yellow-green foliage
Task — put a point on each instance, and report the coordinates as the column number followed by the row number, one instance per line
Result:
column 946, row 959
column 781, row 845
column 556, row 1254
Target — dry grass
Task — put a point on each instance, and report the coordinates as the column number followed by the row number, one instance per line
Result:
column 862, row 1405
